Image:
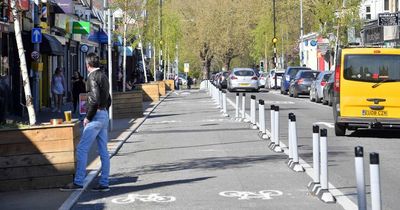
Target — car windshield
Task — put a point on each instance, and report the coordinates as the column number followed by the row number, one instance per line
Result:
column 244, row 73
column 326, row 76
column 308, row 74
column 293, row 71
column 372, row 68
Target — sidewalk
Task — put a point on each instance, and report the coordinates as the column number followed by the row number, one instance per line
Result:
column 54, row 198
column 186, row 155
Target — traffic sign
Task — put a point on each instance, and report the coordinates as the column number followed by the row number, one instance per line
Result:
column 36, row 35
column 35, row 55
column 186, row 67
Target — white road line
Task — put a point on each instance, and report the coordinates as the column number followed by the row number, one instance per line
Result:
column 300, row 99
column 341, row 199
column 327, row 124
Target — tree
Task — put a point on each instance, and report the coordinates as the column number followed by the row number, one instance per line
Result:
column 24, row 70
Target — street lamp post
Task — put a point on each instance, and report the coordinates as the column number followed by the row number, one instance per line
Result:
column 301, row 32
column 160, row 64
column 274, row 40
column 109, row 46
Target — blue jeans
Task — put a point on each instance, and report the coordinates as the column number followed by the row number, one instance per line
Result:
column 97, row 129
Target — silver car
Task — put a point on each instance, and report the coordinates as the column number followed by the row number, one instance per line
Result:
column 243, row 79
column 316, row 90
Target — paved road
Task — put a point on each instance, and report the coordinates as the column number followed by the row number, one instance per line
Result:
column 188, row 156
column 340, row 149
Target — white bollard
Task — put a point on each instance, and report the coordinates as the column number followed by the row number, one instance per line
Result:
column 237, row 107
column 323, row 192
column 277, row 147
column 324, row 159
column 225, row 111
column 220, row 103
column 244, row 106
column 253, row 112
column 314, row 185
column 272, row 129
column 376, row 201
column 290, row 139
column 261, row 117
column 316, row 164
column 360, row 177
column 294, row 165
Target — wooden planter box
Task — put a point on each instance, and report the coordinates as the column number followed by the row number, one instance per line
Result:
column 161, row 88
column 150, row 92
column 169, row 84
column 128, row 104
column 38, row 157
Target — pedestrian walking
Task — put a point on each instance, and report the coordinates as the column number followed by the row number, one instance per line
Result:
column 189, row 82
column 78, row 87
column 95, row 126
column 57, row 89
column 176, row 82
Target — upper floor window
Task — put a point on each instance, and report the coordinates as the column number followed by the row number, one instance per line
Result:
column 386, row 5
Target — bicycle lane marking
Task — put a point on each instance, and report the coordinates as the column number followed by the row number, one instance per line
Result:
column 245, row 195
column 152, row 197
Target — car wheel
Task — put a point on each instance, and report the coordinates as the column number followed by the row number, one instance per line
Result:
column 317, row 98
column 311, row 97
column 340, row 130
column 330, row 100
column 324, row 102
column 290, row 93
column 295, row 94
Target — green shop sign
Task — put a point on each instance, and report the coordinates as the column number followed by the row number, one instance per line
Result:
column 81, row 27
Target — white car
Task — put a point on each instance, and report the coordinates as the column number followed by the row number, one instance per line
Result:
column 263, row 79
column 182, row 81
column 270, row 83
column 243, row 79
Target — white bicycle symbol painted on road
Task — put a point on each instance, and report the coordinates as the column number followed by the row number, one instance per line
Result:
column 153, row 197
column 244, row 195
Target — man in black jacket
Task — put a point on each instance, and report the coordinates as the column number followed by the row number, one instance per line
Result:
column 95, row 126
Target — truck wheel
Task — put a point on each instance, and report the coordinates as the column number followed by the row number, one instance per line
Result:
column 340, row 130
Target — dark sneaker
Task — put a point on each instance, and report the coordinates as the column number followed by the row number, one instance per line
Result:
column 100, row 188
column 71, row 187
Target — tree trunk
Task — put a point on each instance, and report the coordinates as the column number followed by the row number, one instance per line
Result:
column 24, row 70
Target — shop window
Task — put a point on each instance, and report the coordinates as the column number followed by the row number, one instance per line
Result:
column 4, row 10
column 386, row 5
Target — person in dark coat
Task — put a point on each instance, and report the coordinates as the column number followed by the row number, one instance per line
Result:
column 78, row 87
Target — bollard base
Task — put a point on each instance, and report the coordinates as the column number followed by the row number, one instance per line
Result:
column 271, row 145
column 278, row 149
column 246, row 120
column 221, row 110
column 253, row 126
column 289, row 161
column 225, row 115
column 313, row 187
column 325, row 196
column 265, row 136
column 296, row 167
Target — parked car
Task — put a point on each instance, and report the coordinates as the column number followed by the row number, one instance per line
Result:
column 263, row 80
column 289, row 74
column 243, row 79
column 278, row 73
column 301, row 84
column 182, row 81
column 328, row 91
column 366, row 89
column 316, row 91
column 213, row 77
column 222, row 79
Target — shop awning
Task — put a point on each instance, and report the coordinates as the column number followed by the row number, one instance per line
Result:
column 51, row 46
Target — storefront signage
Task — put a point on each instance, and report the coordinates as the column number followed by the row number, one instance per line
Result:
column 81, row 27
column 65, row 5
column 84, row 48
column 373, row 35
column 61, row 21
column 388, row 19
